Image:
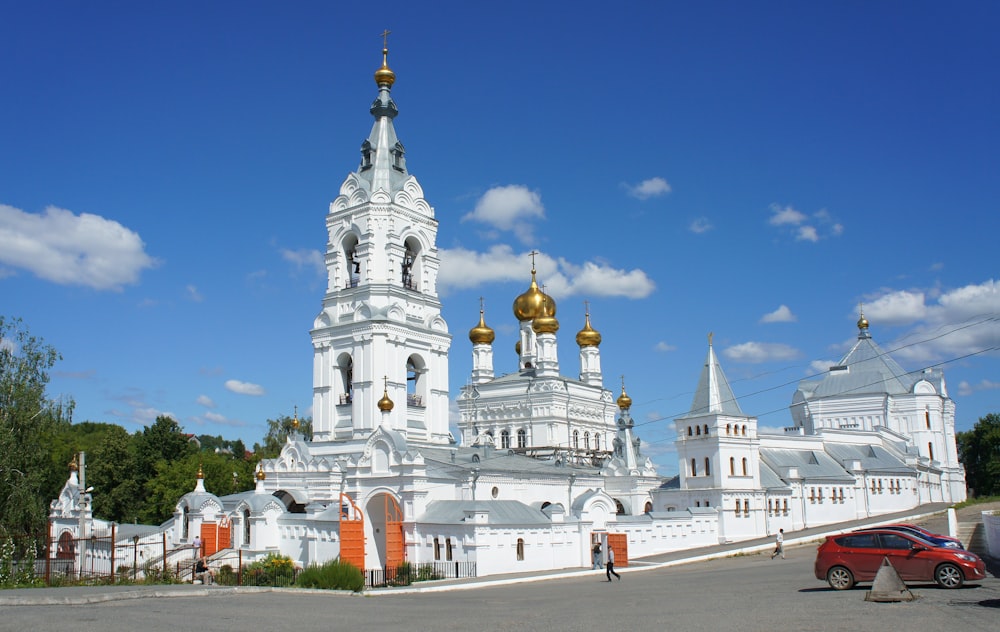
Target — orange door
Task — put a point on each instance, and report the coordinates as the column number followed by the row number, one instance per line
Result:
column 352, row 533
column 619, row 542
column 395, row 553
column 209, row 538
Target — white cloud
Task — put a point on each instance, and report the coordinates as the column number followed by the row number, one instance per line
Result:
column 819, row 367
column 193, row 294
column 965, row 388
column 653, row 187
column 215, row 417
column 509, row 208
column 304, row 258
column 205, row 401
column 780, row 315
column 700, row 225
column 960, row 322
column 784, row 216
column 805, row 227
column 244, row 388
column 664, row 347
column 70, row 249
column 463, row 269
column 756, row 352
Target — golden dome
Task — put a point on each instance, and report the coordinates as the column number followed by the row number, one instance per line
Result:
column 545, row 322
column 862, row 322
column 517, row 347
column 624, row 401
column 260, row 472
column 73, row 467
column 588, row 336
column 384, row 74
column 528, row 306
column 481, row 334
column 385, row 404
column 295, row 420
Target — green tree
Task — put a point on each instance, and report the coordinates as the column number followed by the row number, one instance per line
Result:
column 28, row 420
column 163, row 441
column 111, row 470
column 979, row 452
column 173, row 479
column 68, row 441
column 277, row 432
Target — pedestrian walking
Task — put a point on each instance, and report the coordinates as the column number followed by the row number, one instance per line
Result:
column 779, row 544
column 611, row 565
column 597, row 556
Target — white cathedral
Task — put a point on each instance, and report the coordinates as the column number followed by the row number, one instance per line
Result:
column 547, row 464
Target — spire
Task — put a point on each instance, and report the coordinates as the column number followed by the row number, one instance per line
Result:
column 713, row 395
column 383, row 162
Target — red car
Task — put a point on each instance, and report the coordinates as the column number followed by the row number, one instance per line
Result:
column 845, row 559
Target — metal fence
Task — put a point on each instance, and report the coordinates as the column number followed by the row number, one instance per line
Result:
column 408, row 573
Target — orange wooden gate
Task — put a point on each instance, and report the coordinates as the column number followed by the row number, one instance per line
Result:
column 215, row 537
column 619, row 542
column 352, row 533
column 395, row 552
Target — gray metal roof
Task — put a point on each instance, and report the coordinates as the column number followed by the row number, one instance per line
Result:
column 769, row 479
column 873, row 458
column 499, row 512
column 865, row 369
column 812, row 464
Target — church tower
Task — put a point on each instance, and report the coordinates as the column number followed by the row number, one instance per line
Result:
column 380, row 331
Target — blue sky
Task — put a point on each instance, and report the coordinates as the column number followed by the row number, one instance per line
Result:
column 755, row 170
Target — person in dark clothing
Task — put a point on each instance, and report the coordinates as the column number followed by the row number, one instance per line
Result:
column 611, row 565
column 203, row 572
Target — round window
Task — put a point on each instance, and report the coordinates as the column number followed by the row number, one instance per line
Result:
column 496, row 492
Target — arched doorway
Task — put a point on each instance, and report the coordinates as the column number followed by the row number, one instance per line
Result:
column 386, row 520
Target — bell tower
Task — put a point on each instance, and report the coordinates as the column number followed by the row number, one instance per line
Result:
column 380, row 331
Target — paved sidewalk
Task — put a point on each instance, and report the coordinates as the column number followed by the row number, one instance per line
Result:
column 933, row 515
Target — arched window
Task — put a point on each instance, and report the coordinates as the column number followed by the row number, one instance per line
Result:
column 352, row 261
column 586, row 441
column 746, row 507
column 505, row 439
column 744, row 431
column 411, row 264
column 185, row 530
column 520, row 549
column 522, row 438
column 576, row 439
column 437, row 550
column 416, row 381
column 930, row 450
column 689, row 431
column 927, row 417
column 697, row 430
column 345, row 367
column 447, row 549
column 648, row 508
column 619, row 507
column 694, row 468
column 784, row 507
column 770, row 507
column 246, row 527
column 708, row 468
column 732, row 466
column 737, row 512
column 706, row 428
column 597, row 441
column 729, row 428
column 745, row 467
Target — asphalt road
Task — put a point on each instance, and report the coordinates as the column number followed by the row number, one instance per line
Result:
column 745, row 593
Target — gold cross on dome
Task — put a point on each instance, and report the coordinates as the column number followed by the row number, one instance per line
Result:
column 385, row 38
column 533, row 253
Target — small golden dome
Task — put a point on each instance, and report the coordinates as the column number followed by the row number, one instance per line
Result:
column 517, row 347
column 481, row 334
column 295, row 420
column 201, row 473
column 546, row 323
column 624, row 401
column 384, row 74
column 588, row 336
column 385, row 404
column 73, row 467
column 260, row 472
column 862, row 322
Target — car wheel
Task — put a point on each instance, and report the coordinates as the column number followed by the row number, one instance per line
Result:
column 949, row 576
column 839, row 578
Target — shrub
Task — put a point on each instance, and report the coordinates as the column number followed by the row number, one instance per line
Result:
column 273, row 570
column 226, row 575
column 333, row 575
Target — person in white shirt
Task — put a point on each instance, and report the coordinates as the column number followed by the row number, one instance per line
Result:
column 611, row 565
column 779, row 544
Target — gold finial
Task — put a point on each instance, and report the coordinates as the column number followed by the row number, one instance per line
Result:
column 201, row 472
column 710, row 334
column 295, row 419
column 481, row 333
column 862, row 321
column 384, row 74
column 385, row 404
column 73, row 465
column 624, row 401
column 260, row 472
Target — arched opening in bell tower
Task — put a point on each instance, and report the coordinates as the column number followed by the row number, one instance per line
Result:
column 345, row 369
column 352, row 261
column 416, row 381
column 411, row 266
